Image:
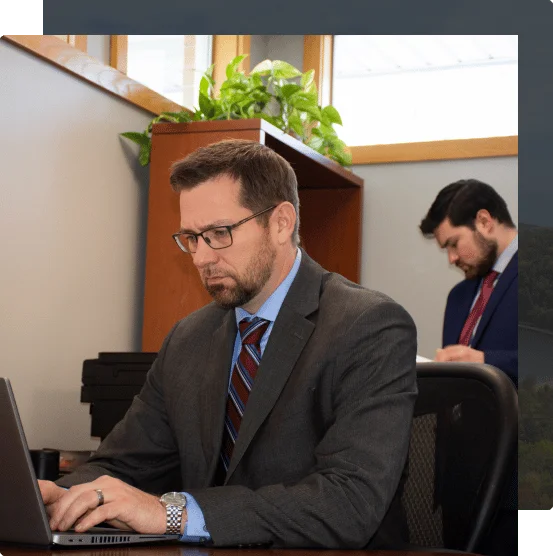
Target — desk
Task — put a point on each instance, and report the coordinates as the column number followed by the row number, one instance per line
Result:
column 181, row 550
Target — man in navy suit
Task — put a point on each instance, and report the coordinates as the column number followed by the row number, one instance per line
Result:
column 470, row 220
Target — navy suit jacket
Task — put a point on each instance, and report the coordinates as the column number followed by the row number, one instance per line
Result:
column 497, row 333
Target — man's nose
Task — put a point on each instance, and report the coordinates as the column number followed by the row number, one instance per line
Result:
column 204, row 254
column 453, row 257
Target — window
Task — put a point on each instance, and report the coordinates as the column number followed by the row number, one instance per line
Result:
column 413, row 88
column 171, row 65
column 78, row 41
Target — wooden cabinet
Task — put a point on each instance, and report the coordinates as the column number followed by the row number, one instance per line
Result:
column 330, row 216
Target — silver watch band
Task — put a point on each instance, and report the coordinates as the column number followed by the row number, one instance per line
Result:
column 174, row 519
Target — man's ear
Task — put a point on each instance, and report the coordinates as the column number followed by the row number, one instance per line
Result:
column 284, row 218
column 484, row 222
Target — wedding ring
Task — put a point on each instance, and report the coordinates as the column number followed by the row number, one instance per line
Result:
column 100, row 495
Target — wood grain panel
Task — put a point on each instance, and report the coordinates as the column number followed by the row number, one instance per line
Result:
column 72, row 60
column 118, row 52
column 436, row 150
column 225, row 48
column 317, row 55
column 330, row 228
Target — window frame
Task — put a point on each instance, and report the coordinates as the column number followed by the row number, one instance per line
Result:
column 78, row 41
column 224, row 49
column 318, row 54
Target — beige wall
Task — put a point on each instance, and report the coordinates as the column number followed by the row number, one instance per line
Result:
column 72, row 223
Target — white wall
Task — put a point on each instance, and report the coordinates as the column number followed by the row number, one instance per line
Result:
column 396, row 259
column 72, row 222
column 98, row 46
column 277, row 47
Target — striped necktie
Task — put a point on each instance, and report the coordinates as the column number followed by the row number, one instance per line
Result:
column 241, row 382
column 478, row 309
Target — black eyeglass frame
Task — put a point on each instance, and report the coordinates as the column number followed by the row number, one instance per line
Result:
column 228, row 228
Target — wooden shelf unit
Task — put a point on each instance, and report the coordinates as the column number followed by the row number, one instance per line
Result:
column 331, row 201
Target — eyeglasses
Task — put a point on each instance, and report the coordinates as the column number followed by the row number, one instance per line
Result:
column 218, row 237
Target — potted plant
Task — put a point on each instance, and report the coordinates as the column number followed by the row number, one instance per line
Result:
column 274, row 91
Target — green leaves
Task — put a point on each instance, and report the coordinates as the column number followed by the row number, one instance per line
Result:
column 289, row 89
column 274, row 91
column 307, row 80
column 331, row 114
column 231, row 68
column 284, row 70
column 263, row 68
column 142, row 139
column 206, row 106
column 139, row 138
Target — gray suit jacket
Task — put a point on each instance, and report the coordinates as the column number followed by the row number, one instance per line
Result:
column 324, row 438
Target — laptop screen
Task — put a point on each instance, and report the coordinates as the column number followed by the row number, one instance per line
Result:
column 22, row 514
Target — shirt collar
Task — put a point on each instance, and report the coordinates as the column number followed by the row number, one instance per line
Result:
column 269, row 310
column 505, row 258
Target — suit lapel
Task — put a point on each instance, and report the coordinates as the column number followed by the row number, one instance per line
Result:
column 462, row 314
column 289, row 336
column 505, row 280
column 213, row 395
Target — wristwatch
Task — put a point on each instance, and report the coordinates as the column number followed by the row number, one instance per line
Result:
column 174, row 503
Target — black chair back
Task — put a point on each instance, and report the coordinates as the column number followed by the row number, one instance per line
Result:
column 462, row 453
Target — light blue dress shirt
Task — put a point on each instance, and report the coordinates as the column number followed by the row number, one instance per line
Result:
column 196, row 530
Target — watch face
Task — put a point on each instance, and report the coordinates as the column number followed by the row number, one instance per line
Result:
column 174, row 499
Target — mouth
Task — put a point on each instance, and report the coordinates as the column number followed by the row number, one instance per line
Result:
column 215, row 278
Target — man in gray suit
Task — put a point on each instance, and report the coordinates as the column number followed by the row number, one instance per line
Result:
column 281, row 413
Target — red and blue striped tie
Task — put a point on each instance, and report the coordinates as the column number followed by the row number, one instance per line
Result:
column 241, row 382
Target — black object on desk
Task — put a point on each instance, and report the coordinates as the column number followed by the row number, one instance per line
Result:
column 110, row 384
column 46, row 463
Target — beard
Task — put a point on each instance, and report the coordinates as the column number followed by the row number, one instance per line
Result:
column 246, row 286
column 488, row 250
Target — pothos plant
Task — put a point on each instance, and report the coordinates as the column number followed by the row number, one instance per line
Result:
column 274, row 91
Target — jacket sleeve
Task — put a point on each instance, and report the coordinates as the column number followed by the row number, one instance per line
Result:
column 140, row 449
column 505, row 360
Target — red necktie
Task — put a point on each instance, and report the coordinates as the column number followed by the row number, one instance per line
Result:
column 478, row 309
column 241, row 382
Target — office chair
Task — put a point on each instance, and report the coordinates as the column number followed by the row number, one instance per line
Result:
column 462, row 452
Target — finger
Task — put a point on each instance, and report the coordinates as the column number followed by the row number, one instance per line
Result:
column 60, row 507
column 87, row 502
column 443, row 355
column 460, row 352
column 108, row 513
column 49, row 491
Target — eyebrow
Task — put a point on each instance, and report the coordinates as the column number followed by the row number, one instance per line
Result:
column 215, row 224
column 448, row 241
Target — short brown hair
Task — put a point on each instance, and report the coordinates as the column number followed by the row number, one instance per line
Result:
column 265, row 177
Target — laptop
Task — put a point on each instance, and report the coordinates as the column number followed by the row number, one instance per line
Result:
column 23, row 517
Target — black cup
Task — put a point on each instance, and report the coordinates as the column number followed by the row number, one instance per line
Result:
column 46, row 464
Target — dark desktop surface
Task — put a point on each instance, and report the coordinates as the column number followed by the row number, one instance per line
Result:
column 184, row 550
